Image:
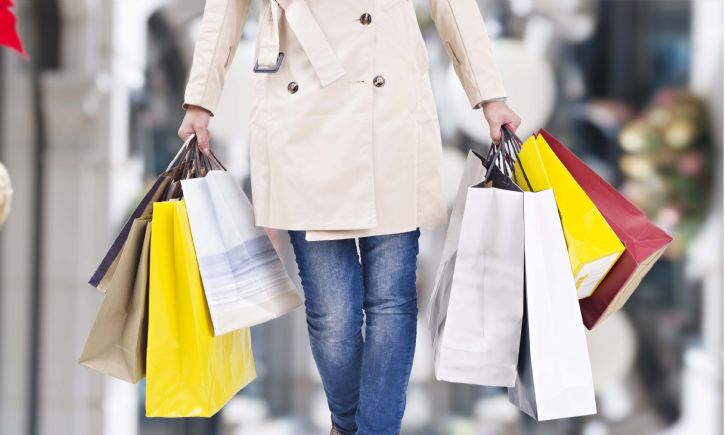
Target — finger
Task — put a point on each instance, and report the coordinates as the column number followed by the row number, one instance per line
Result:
column 515, row 124
column 509, row 126
column 495, row 132
column 202, row 139
column 184, row 132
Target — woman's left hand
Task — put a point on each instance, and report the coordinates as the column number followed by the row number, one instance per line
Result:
column 497, row 113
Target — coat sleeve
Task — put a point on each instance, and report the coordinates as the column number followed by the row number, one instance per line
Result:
column 463, row 33
column 219, row 35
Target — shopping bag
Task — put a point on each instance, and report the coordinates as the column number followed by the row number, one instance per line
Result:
column 189, row 371
column 554, row 378
column 473, row 173
column 475, row 311
column 116, row 345
column 245, row 282
column 592, row 245
column 644, row 242
column 104, row 272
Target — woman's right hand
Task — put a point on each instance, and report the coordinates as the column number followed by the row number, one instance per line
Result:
column 196, row 121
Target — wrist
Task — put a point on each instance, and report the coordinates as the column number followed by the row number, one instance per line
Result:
column 194, row 107
column 492, row 103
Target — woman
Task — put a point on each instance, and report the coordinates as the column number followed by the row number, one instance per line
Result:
column 345, row 154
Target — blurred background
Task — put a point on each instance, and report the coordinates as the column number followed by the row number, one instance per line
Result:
column 634, row 87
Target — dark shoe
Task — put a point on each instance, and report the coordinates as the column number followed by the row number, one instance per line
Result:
column 335, row 430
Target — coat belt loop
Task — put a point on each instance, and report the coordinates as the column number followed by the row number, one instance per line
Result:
column 269, row 57
column 309, row 34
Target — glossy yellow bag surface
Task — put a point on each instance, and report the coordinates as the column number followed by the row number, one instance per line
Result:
column 189, row 371
column 592, row 244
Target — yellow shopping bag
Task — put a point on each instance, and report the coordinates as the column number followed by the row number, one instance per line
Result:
column 592, row 244
column 189, row 371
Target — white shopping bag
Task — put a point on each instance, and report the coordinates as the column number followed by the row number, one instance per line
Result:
column 554, row 374
column 475, row 311
column 473, row 173
column 244, row 280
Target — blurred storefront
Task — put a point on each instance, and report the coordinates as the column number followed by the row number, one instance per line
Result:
column 634, row 87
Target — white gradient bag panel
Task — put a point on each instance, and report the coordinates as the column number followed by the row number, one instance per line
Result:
column 244, row 280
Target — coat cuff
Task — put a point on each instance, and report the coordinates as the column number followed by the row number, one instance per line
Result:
column 489, row 100
column 204, row 106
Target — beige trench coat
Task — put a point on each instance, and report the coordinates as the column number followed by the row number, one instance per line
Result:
column 345, row 139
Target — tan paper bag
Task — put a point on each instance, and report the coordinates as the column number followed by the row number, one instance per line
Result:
column 116, row 345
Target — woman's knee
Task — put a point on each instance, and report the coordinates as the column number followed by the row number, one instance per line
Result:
column 333, row 322
column 391, row 304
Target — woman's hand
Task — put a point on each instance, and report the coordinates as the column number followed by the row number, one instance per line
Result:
column 196, row 121
column 497, row 113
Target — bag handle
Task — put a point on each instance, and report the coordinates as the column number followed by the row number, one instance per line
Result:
column 181, row 161
column 503, row 155
column 193, row 163
column 189, row 146
column 508, row 154
column 182, row 167
column 188, row 163
column 182, row 152
column 514, row 147
column 215, row 161
column 511, row 145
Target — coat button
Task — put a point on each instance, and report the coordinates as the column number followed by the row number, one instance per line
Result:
column 366, row 18
column 379, row 81
column 292, row 87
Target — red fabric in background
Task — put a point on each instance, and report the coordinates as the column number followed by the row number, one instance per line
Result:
column 8, row 35
column 641, row 238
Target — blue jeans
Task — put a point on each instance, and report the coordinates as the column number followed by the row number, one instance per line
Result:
column 365, row 381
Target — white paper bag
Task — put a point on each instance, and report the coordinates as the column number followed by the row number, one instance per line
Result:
column 475, row 311
column 473, row 173
column 244, row 280
column 554, row 374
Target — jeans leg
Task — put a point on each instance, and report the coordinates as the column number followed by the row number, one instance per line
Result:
column 390, row 304
column 331, row 278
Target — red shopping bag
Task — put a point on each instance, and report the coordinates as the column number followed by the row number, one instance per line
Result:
column 644, row 242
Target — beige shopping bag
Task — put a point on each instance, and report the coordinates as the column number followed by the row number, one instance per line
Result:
column 116, row 345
